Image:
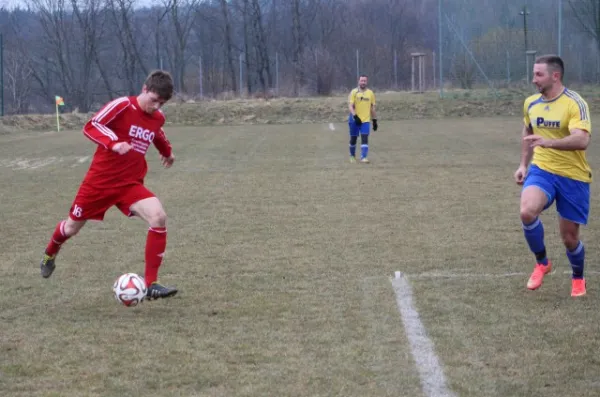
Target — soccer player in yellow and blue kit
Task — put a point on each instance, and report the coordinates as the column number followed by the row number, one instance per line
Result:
column 555, row 136
column 361, row 103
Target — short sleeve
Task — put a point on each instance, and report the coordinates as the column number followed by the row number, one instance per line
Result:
column 352, row 97
column 579, row 115
column 526, row 119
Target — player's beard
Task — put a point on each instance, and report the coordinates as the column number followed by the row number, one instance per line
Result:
column 544, row 88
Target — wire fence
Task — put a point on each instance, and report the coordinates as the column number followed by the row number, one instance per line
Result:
column 469, row 44
column 475, row 49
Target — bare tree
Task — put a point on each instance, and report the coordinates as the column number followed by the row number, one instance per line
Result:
column 245, row 11
column 18, row 73
column 122, row 12
column 228, row 43
column 587, row 12
column 298, row 46
column 182, row 18
column 91, row 50
column 263, row 68
column 158, row 14
column 71, row 35
column 87, row 14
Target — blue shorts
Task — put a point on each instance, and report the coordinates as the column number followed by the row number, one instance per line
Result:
column 355, row 130
column 572, row 196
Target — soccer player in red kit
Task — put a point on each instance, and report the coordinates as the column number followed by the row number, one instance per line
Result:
column 123, row 130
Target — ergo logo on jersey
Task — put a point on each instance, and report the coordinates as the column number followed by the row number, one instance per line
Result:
column 140, row 133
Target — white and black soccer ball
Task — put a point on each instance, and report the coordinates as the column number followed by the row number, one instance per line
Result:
column 130, row 289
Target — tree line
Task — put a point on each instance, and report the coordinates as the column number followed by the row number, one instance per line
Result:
column 90, row 51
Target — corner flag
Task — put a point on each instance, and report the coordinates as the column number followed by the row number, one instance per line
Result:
column 59, row 102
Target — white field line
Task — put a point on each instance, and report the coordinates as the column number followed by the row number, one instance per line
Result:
column 21, row 163
column 432, row 376
column 483, row 275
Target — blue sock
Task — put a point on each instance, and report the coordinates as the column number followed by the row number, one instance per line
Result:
column 353, row 150
column 576, row 257
column 534, row 234
column 364, row 150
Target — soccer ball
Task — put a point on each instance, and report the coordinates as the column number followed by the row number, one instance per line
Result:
column 130, row 289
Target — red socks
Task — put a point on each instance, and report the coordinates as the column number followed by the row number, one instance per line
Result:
column 58, row 238
column 155, row 250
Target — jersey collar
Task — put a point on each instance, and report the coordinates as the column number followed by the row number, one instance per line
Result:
column 555, row 98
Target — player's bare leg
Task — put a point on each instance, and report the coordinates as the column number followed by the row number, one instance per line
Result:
column 533, row 201
column 569, row 232
column 64, row 230
column 152, row 211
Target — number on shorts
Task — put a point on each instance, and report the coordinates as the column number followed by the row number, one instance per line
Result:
column 77, row 211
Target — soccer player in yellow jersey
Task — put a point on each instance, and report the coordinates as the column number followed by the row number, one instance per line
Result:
column 555, row 136
column 361, row 103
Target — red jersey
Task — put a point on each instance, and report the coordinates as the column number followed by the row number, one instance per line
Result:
column 122, row 120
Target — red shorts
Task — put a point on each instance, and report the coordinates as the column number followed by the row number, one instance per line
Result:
column 92, row 203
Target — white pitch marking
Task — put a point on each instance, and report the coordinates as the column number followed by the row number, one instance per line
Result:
column 465, row 275
column 432, row 376
column 484, row 275
column 21, row 163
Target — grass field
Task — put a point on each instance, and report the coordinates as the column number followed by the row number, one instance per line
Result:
column 283, row 252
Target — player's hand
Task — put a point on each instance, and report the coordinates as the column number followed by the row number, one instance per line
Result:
column 167, row 161
column 357, row 120
column 536, row 140
column 374, row 124
column 520, row 175
column 121, row 147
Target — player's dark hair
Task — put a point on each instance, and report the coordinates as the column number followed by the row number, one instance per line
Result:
column 363, row 75
column 160, row 82
column 554, row 62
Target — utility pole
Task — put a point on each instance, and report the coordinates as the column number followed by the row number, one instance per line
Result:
column 1, row 76
column 560, row 18
column 200, row 77
column 524, row 12
column 441, row 71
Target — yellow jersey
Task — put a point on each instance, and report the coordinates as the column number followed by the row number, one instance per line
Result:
column 554, row 119
column 362, row 101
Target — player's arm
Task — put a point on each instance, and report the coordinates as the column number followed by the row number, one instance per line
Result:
column 526, row 149
column 577, row 140
column 526, row 153
column 351, row 101
column 97, row 130
column 374, row 114
column 352, row 107
column 164, row 147
column 373, row 103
